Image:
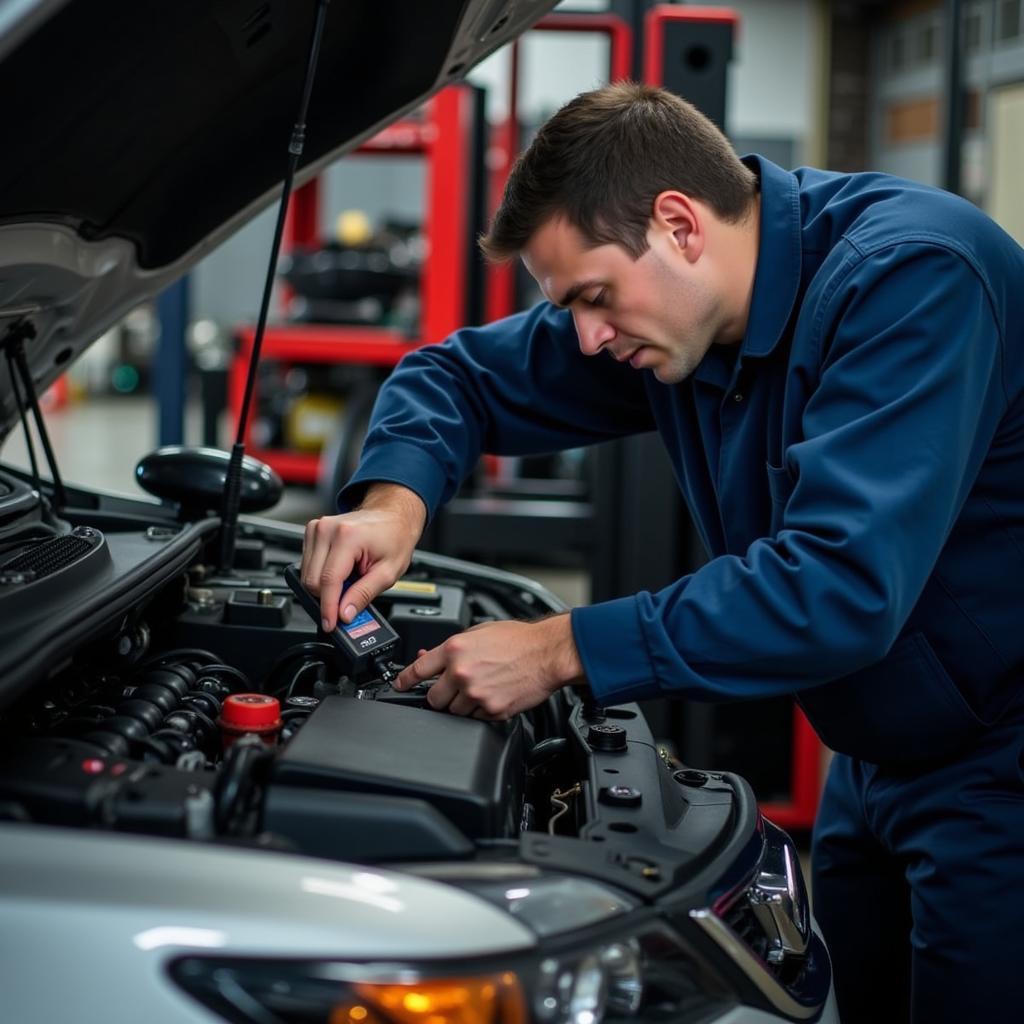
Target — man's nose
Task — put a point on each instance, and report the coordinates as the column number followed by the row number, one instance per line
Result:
column 593, row 331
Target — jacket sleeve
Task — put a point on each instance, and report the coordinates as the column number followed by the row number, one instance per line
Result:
column 908, row 400
column 515, row 387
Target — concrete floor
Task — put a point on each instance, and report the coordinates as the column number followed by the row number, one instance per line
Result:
column 98, row 441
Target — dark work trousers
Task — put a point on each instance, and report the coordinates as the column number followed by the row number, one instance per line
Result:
column 919, row 886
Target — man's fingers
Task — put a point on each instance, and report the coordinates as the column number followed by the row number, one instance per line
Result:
column 337, row 569
column 426, row 666
column 462, row 705
column 328, row 556
column 442, row 693
column 313, row 555
column 364, row 590
column 483, row 716
column 308, row 536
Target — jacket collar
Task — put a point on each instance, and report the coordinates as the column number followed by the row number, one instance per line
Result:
column 777, row 279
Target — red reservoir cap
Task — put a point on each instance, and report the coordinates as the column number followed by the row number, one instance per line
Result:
column 250, row 712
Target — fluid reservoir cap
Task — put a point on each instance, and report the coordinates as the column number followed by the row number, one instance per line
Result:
column 304, row 703
column 606, row 737
column 250, row 712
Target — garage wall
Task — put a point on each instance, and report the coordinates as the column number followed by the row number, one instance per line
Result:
column 1007, row 158
column 907, row 99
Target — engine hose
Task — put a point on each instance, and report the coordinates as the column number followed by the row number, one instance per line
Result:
column 291, row 713
column 196, row 700
column 181, row 653
column 299, row 673
column 178, row 743
column 227, row 670
column 235, row 782
column 202, row 729
column 305, row 649
column 158, row 749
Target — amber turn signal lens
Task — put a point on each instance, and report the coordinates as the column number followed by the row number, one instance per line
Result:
column 488, row 999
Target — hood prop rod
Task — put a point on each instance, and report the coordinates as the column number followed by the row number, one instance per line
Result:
column 37, row 482
column 232, row 485
column 14, row 343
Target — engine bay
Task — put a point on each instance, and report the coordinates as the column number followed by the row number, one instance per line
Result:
column 134, row 726
column 146, row 691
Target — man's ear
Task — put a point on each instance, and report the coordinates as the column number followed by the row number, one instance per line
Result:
column 677, row 217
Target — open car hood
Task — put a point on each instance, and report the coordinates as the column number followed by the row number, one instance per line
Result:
column 140, row 134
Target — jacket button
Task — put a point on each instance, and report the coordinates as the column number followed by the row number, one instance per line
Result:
column 738, row 397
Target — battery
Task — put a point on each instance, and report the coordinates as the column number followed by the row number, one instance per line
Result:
column 423, row 624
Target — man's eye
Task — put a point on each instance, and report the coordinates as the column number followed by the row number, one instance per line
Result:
column 598, row 299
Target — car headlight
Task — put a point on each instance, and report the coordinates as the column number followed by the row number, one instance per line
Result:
column 648, row 978
column 327, row 992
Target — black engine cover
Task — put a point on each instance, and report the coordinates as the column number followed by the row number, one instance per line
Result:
column 470, row 771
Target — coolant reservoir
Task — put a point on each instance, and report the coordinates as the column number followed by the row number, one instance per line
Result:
column 253, row 714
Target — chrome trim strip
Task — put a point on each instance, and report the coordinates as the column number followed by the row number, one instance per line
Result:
column 722, row 936
column 778, row 898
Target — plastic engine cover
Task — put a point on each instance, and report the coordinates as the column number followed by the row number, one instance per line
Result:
column 470, row 771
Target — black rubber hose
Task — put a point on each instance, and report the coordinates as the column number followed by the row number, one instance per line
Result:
column 235, row 782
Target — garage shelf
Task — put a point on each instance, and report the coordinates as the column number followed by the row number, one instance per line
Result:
column 444, row 138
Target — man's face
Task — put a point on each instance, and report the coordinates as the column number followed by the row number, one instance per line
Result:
column 658, row 312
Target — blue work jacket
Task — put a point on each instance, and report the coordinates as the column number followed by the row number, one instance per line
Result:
column 855, row 467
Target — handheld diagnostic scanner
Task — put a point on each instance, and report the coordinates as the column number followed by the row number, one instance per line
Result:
column 365, row 643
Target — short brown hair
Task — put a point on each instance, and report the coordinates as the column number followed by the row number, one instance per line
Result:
column 602, row 159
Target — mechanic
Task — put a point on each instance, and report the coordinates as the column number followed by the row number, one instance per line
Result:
column 835, row 363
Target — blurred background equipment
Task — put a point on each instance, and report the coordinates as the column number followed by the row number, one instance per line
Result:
column 354, row 304
column 363, row 276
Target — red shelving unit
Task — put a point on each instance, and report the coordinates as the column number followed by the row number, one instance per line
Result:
column 505, row 141
column 444, row 139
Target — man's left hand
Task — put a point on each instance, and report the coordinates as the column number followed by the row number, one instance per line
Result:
column 497, row 669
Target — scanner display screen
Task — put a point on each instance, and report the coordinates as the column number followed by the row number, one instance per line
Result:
column 362, row 624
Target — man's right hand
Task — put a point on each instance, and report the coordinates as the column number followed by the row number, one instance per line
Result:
column 374, row 542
